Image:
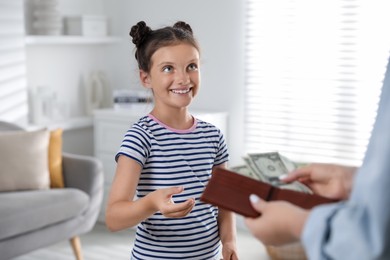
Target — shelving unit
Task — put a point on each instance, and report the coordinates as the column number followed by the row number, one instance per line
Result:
column 63, row 63
column 72, row 123
column 71, row 41
column 68, row 40
column 66, row 124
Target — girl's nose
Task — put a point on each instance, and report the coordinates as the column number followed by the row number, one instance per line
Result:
column 183, row 77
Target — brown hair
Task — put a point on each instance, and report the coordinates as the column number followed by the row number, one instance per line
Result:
column 148, row 41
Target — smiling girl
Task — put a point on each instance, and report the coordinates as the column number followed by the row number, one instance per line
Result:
column 166, row 158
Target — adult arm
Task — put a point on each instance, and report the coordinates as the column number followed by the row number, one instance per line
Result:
column 360, row 227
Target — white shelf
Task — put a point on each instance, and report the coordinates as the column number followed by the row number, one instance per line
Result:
column 68, row 124
column 68, row 39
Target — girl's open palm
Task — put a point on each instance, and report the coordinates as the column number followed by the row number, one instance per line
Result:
column 164, row 202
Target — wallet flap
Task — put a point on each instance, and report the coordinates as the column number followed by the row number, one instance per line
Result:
column 231, row 191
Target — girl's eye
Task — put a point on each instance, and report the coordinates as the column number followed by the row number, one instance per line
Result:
column 167, row 69
column 193, row 67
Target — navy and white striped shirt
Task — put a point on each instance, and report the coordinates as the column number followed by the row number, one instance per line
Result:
column 176, row 158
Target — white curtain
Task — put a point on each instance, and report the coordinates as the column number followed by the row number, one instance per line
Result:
column 314, row 70
column 13, row 85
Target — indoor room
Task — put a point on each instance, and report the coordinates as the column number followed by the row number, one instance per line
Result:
column 283, row 84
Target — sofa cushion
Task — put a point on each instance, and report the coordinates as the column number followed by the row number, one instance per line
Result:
column 24, row 160
column 55, row 159
column 25, row 211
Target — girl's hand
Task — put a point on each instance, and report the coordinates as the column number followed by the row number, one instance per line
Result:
column 164, row 203
column 229, row 251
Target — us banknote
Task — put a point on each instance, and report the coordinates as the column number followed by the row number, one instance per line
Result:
column 268, row 167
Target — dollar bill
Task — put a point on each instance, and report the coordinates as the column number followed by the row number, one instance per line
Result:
column 252, row 169
column 270, row 166
column 290, row 165
column 273, row 165
column 243, row 170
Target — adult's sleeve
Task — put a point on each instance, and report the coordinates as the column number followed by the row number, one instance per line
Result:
column 360, row 227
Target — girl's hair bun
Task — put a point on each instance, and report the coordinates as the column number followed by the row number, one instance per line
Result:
column 139, row 33
column 183, row 25
column 148, row 41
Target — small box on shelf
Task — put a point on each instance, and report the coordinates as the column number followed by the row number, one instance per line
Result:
column 131, row 99
column 86, row 25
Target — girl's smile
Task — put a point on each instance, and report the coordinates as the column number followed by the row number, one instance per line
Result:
column 174, row 76
column 181, row 91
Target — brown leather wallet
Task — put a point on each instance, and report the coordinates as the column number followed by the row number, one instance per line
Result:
column 230, row 190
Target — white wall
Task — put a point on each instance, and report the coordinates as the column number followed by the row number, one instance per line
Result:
column 217, row 24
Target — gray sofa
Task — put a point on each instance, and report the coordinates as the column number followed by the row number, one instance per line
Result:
column 34, row 219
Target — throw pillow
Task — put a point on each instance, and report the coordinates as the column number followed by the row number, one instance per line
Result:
column 55, row 159
column 24, row 160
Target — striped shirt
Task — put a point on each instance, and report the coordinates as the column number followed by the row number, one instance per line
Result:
column 176, row 158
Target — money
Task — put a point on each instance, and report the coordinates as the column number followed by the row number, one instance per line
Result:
column 252, row 169
column 268, row 167
column 243, row 170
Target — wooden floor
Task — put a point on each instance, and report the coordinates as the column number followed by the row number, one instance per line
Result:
column 100, row 244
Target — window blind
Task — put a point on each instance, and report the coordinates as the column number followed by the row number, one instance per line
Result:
column 314, row 70
column 13, row 86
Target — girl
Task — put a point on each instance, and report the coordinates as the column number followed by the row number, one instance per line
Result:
column 167, row 157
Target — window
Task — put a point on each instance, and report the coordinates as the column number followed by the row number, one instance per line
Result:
column 13, row 85
column 314, row 70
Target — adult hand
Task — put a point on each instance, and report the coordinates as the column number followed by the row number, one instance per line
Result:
column 164, row 203
column 328, row 180
column 280, row 222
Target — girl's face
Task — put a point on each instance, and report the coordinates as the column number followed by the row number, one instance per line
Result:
column 174, row 76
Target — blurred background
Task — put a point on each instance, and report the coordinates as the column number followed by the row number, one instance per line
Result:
column 301, row 78
column 297, row 77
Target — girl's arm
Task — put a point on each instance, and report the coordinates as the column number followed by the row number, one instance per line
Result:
column 124, row 212
column 227, row 231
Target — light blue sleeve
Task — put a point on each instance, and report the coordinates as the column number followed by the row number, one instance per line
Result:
column 360, row 227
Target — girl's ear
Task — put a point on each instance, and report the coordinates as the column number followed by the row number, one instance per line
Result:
column 145, row 79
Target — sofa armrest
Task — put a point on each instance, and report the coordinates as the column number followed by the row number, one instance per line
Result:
column 83, row 172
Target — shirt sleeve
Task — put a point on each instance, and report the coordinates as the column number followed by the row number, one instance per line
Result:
column 135, row 145
column 360, row 227
column 222, row 153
